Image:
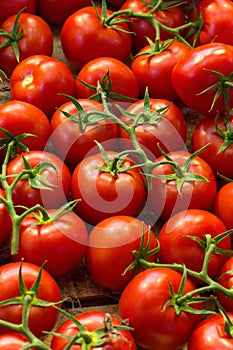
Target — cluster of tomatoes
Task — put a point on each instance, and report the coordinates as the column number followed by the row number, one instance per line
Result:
column 98, row 167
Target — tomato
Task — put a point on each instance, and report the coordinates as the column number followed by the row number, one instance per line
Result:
column 171, row 17
column 142, row 303
column 92, row 321
column 153, row 69
column 121, row 77
column 26, row 191
column 223, row 204
column 217, row 24
column 175, row 246
column 166, row 127
column 210, row 334
column 205, row 132
column 5, row 221
column 56, row 12
column 37, row 38
column 106, row 193
column 191, row 76
column 10, row 8
column 64, row 236
column 112, row 243
column 73, row 137
column 165, row 198
column 12, row 341
column 39, row 76
column 225, row 278
column 18, row 117
column 40, row 318
column 113, row 39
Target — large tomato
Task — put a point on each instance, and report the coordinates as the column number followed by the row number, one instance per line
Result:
column 12, row 341
column 98, row 38
column 5, row 221
column 143, row 303
column 225, row 279
column 40, row 80
column 223, row 204
column 37, row 38
column 10, row 8
column 40, row 318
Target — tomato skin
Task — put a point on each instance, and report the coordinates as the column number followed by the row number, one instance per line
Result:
column 93, row 320
column 12, row 341
column 205, row 133
column 37, row 38
column 39, row 76
column 210, row 334
column 111, row 243
column 175, row 247
column 24, row 194
column 223, row 204
column 103, row 195
column 225, row 278
column 10, row 8
column 155, row 72
column 170, row 132
column 164, row 197
column 108, row 42
column 5, row 221
column 40, row 318
column 190, row 77
column 142, row 303
column 70, row 142
column 65, row 237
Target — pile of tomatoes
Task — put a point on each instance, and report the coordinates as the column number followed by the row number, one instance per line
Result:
column 99, row 167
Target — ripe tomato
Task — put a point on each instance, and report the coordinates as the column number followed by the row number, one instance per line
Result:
column 26, row 191
column 12, row 341
column 40, row 76
column 37, row 38
column 175, row 246
column 20, row 117
column 143, row 301
column 225, row 278
column 112, row 243
column 191, row 76
column 120, row 74
column 113, row 39
column 210, row 334
column 107, row 193
column 64, row 236
column 40, row 318
column 73, row 138
column 168, row 128
column 92, row 321
column 5, row 221
column 223, row 204
column 10, row 8
column 164, row 197
column 153, row 69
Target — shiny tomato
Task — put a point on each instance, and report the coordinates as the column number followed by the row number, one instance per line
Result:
column 10, row 8
column 92, row 321
column 113, row 39
column 223, row 204
column 13, row 341
column 142, row 303
column 37, row 38
column 225, row 278
column 112, row 243
column 74, row 138
column 5, row 221
column 106, row 188
column 54, row 177
column 40, row 76
column 40, row 318
column 175, row 246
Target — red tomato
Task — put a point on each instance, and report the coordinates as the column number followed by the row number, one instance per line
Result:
column 26, row 192
column 113, row 39
column 205, row 133
column 5, row 221
column 12, row 341
column 123, row 80
column 225, row 278
column 71, row 142
column 210, row 334
column 10, row 8
column 92, row 321
column 142, row 304
column 112, row 243
column 56, row 12
column 168, row 129
column 20, row 117
column 175, row 247
column 40, row 318
column 191, row 76
column 40, row 80
column 165, row 199
column 65, row 236
column 104, row 194
column 223, row 204
column 37, row 38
